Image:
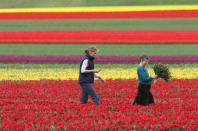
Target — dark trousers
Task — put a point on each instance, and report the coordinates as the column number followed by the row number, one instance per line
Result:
column 144, row 96
column 87, row 89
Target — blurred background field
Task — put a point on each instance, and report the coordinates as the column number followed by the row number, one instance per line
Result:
column 77, row 3
column 17, row 55
column 152, row 23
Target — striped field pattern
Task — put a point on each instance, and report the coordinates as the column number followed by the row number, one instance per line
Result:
column 104, row 36
column 42, row 43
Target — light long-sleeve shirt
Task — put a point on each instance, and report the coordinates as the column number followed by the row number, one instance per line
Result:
column 143, row 76
column 84, row 66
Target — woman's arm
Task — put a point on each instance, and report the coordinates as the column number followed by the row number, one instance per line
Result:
column 143, row 75
column 83, row 70
column 84, row 66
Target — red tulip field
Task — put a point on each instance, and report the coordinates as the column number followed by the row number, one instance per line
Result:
column 54, row 104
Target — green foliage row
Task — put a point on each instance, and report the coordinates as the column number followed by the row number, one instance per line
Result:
column 105, row 49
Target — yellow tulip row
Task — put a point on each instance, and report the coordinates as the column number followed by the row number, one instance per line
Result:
column 103, row 9
column 72, row 74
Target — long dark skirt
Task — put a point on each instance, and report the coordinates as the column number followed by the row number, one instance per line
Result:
column 144, row 96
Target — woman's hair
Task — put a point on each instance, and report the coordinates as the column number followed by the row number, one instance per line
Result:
column 144, row 57
column 92, row 49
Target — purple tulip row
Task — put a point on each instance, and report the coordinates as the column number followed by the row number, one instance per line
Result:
column 11, row 58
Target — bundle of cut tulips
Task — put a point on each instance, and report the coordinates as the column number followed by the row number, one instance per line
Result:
column 162, row 71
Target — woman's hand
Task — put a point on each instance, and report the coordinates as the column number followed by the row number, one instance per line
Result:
column 103, row 80
column 155, row 77
column 96, row 71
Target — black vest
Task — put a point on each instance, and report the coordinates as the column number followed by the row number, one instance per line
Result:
column 87, row 77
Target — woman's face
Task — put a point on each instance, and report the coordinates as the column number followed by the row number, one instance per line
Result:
column 145, row 62
column 92, row 53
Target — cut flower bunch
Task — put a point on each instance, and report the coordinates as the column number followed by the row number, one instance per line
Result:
column 162, row 71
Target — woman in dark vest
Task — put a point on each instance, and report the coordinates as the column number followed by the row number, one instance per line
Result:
column 86, row 76
column 144, row 96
